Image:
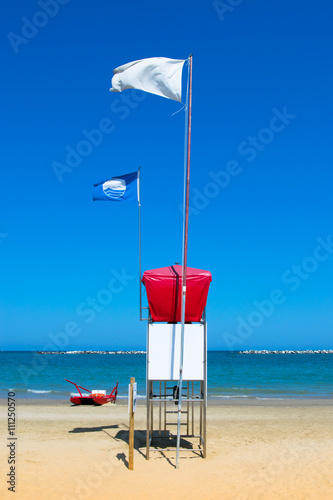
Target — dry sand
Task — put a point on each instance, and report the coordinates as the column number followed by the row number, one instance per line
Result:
column 253, row 452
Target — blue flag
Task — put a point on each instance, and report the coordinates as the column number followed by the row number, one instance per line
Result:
column 120, row 188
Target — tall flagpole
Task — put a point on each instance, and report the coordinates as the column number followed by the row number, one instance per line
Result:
column 139, row 212
column 187, row 195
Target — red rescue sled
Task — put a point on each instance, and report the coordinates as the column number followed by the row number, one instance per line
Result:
column 95, row 397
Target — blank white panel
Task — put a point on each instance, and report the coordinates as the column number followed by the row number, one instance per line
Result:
column 163, row 351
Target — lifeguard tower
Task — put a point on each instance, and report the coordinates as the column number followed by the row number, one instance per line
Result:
column 164, row 294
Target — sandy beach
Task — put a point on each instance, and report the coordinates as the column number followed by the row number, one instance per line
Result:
column 254, row 451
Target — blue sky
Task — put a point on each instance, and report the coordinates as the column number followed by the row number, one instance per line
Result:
column 261, row 170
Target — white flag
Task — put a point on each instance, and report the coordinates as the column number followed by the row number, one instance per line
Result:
column 157, row 75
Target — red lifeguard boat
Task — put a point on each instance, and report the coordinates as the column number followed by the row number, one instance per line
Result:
column 95, row 397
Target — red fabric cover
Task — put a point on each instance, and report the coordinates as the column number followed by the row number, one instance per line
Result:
column 164, row 295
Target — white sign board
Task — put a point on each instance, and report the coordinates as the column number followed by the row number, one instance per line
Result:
column 134, row 395
column 135, row 385
column 163, row 354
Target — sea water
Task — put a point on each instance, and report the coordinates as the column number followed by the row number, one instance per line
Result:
column 230, row 374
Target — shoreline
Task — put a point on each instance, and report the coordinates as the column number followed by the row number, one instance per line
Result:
column 210, row 402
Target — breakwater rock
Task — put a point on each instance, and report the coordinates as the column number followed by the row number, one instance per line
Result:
column 91, row 352
column 309, row 351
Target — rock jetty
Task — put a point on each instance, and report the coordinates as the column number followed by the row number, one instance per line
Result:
column 91, row 352
column 309, row 351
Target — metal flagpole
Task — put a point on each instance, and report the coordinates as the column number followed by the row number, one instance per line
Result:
column 187, row 194
column 139, row 211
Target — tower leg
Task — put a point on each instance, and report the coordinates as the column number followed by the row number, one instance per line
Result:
column 148, row 422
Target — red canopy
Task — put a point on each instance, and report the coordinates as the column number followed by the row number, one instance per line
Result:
column 163, row 288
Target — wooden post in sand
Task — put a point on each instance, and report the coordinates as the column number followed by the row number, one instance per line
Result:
column 131, row 410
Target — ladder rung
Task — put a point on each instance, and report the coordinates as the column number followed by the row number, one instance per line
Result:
column 175, row 411
column 161, row 450
column 182, row 423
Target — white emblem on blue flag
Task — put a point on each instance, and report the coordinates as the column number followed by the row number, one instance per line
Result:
column 115, row 188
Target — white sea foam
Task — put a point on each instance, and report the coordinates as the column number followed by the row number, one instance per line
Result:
column 38, row 392
column 229, row 397
column 282, row 399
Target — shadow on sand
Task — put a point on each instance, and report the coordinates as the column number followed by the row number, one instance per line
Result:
column 167, row 441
